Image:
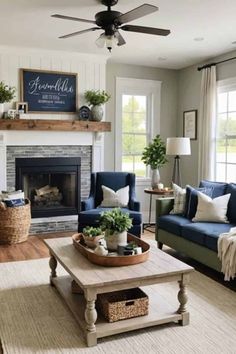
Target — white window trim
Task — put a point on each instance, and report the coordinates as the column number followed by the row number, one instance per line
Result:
column 224, row 86
column 131, row 86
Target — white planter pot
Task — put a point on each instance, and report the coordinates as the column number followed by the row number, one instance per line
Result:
column 155, row 178
column 116, row 239
column 1, row 109
column 97, row 113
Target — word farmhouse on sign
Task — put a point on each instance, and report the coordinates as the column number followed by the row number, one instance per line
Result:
column 49, row 91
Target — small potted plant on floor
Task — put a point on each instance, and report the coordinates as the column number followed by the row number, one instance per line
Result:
column 92, row 235
column 115, row 223
column 154, row 155
column 96, row 98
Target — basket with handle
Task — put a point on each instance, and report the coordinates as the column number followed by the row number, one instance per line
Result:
column 14, row 223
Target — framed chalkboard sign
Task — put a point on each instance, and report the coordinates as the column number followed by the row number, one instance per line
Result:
column 49, row 91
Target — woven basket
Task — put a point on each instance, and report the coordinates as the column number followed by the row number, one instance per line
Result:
column 14, row 223
column 120, row 305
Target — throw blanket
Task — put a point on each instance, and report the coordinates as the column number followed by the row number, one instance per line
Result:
column 227, row 253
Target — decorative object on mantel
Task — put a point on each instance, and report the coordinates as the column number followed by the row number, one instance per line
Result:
column 21, row 109
column 96, row 98
column 54, row 125
column 115, row 223
column 49, row 91
column 7, row 93
column 154, row 155
column 112, row 259
column 84, row 113
column 190, row 124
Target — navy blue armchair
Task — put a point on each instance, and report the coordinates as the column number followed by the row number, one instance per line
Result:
column 91, row 210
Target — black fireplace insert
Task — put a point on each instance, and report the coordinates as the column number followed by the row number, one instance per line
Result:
column 51, row 184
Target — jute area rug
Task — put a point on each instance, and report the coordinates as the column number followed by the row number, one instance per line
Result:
column 34, row 319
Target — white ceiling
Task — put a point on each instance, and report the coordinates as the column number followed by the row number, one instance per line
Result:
column 27, row 23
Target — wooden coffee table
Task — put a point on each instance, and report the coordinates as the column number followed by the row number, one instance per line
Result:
column 93, row 279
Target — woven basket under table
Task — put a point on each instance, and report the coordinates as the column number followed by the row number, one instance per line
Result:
column 14, row 223
column 119, row 305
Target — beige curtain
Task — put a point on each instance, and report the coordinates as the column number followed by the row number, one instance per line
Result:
column 207, row 124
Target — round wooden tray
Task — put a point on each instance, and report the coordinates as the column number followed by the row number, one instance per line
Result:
column 112, row 261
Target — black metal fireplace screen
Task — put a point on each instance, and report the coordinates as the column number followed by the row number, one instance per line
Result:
column 52, row 184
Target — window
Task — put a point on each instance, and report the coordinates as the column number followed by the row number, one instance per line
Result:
column 226, row 132
column 138, row 101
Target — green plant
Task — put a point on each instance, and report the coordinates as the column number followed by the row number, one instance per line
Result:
column 94, row 97
column 115, row 221
column 90, row 231
column 7, row 93
column 155, row 153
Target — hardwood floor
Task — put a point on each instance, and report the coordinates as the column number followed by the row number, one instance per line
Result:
column 34, row 247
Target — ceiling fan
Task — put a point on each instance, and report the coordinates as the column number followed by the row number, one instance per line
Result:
column 112, row 21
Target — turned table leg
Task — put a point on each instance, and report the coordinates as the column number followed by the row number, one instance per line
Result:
column 183, row 299
column 53, row 266
column 90, row 318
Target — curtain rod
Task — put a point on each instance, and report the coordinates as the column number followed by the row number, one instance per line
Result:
column 212, row 64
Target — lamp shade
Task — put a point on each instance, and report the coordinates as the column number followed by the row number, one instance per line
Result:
column 178, row 146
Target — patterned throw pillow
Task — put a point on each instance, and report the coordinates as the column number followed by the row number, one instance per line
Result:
column 180, row 199
column 112, row 199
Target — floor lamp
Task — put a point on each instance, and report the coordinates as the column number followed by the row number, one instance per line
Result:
column 177, row 147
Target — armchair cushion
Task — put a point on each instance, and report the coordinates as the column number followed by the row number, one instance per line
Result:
column 91, row 208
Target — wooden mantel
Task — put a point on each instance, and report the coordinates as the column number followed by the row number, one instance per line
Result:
column 54, row 125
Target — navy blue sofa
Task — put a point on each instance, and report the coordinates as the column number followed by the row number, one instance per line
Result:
column 91, row 210
column 196, row 239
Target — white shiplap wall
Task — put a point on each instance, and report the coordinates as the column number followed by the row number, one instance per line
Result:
column 91, row 70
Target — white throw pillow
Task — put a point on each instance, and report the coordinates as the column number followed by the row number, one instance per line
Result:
column 212, row 210
column 111, row 198
column 180, row 199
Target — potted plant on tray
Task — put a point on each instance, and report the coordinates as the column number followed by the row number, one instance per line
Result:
column 154, row 155
column 92, row 235
column 116, row 224
column 7, row 93
column 96, row 98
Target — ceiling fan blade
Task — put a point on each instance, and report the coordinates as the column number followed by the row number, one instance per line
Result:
column 79, row 32
column 72, row 18
column 148, row 30
column 121, row 40
column 136, row 13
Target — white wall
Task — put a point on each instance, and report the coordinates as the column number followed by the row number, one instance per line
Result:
column 91, row 70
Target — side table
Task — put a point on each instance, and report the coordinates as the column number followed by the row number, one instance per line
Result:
column 160, row 193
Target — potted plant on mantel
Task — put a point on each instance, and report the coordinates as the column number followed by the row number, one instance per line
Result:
column 154, row 155
column 96, row 98
column 92, row 236
column 115, row 223
column 7, row 93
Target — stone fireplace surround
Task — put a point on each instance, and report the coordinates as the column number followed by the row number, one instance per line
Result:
column 87, row 145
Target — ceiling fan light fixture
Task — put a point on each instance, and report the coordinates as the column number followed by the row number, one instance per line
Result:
column 106, row 40
column 111, row 41
column 100, row 41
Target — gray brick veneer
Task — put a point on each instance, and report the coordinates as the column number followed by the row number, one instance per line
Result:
column 85, row 152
